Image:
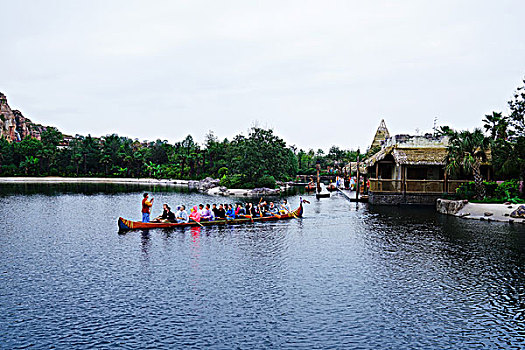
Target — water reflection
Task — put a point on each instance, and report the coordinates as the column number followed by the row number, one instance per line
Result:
column 344, row 276
column 145, row 241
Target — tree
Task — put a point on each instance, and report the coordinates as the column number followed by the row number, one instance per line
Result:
column 496, row 125
column 466, row 151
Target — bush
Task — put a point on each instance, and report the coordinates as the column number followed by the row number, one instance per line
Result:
column 508, row 191
column 266, row 181
column 222, row 171
column 8, row 170
column 490, row 188
column 466, row 190
column 233, row 181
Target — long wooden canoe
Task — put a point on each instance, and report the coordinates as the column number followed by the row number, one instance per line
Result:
column 126, row 225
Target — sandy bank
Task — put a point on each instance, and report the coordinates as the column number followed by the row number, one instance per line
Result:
column 479, row 211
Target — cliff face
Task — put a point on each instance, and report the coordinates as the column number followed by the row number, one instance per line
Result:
column 14, row 126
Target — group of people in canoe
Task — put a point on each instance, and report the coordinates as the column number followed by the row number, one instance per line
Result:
column 213, row 212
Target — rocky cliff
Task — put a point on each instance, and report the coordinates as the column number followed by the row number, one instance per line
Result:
column 14, row 126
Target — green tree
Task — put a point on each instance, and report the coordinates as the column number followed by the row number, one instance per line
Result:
column 466, row 151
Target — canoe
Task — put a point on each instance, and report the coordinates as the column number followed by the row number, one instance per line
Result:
column 310, row 187
column 331, row 187
column 126, row 225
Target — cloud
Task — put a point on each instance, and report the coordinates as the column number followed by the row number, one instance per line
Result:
column 319, row 73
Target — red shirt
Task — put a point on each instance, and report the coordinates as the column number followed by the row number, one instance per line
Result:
column 146, row 205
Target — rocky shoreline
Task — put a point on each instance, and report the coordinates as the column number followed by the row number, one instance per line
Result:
column 208, row 185
column 491, row 212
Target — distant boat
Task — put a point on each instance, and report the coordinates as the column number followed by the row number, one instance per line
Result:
column 310, row 187
column 331, row 187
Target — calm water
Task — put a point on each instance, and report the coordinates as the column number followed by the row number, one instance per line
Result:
column 345, row 276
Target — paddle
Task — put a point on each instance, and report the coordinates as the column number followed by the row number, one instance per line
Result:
column 197, row 222
column 290, row 212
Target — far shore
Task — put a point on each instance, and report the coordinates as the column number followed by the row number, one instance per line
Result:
column 215, row 191
column 102, row 180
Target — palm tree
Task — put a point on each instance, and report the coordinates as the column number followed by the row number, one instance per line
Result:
column 467, row 150
column 496, row 125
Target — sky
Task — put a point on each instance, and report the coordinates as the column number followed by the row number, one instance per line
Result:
column 320, row 73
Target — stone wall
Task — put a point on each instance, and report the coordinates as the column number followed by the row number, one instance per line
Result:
column 376, row 198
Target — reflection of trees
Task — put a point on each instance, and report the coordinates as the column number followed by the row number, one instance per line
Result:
column 472, row 268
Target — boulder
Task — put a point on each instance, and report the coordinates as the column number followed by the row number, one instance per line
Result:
column 519, row 212
column 450, row 207
column 265, row 191
column 488, row 213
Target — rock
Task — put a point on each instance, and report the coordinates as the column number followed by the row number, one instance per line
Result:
column 488, row 213
column 462, row 215
column 519, row 212
column 450, row 207
column 265, row 191
column 14, row 126
column 506, row 214
column 510, row 207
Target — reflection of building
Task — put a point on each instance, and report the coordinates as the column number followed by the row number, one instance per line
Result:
column 410, row 170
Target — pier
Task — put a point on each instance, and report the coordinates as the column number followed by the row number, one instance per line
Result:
column 350, row 195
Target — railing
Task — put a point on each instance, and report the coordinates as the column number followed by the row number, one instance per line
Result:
column 379, row 185
column 415, row 186
column 425, row 186
column 454, row 184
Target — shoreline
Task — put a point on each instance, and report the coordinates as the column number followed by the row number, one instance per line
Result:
column 490, row 212
column 102, row 180
column 215, row 190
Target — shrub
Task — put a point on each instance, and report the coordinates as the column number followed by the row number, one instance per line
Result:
column 508, row 191
column 266, row 181
column 222, row 171
column 490, row 188
column 466, row 190
column 232, row 181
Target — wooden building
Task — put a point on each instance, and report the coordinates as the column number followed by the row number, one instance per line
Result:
column 411, row 170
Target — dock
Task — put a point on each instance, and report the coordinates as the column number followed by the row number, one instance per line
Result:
column 350, row 195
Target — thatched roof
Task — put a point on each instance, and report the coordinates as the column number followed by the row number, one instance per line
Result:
column 352, row 167
column 420, row 156
column 411, row 156
column 381, row 134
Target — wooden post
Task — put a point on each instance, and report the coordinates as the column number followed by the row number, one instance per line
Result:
column 318, row 167
column 403, row 179
column 445, row 183
column 357, row 181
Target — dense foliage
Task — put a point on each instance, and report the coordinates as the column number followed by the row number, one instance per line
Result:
column 504, row 142
column 507, row 191
column 257, row 160
column 466, row 152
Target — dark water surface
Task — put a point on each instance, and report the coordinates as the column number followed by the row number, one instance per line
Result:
column 345, row 276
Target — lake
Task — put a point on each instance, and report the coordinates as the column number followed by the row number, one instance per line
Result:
column 345, row 276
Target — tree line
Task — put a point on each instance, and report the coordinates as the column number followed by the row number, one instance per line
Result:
column 503, row 141
column 259, row 159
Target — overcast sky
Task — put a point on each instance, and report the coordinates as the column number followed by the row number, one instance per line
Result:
column 319, row 73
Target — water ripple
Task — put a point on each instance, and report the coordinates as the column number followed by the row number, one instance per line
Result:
column 346, row 276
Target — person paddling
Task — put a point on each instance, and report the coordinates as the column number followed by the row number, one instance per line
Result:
column 146, row 207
